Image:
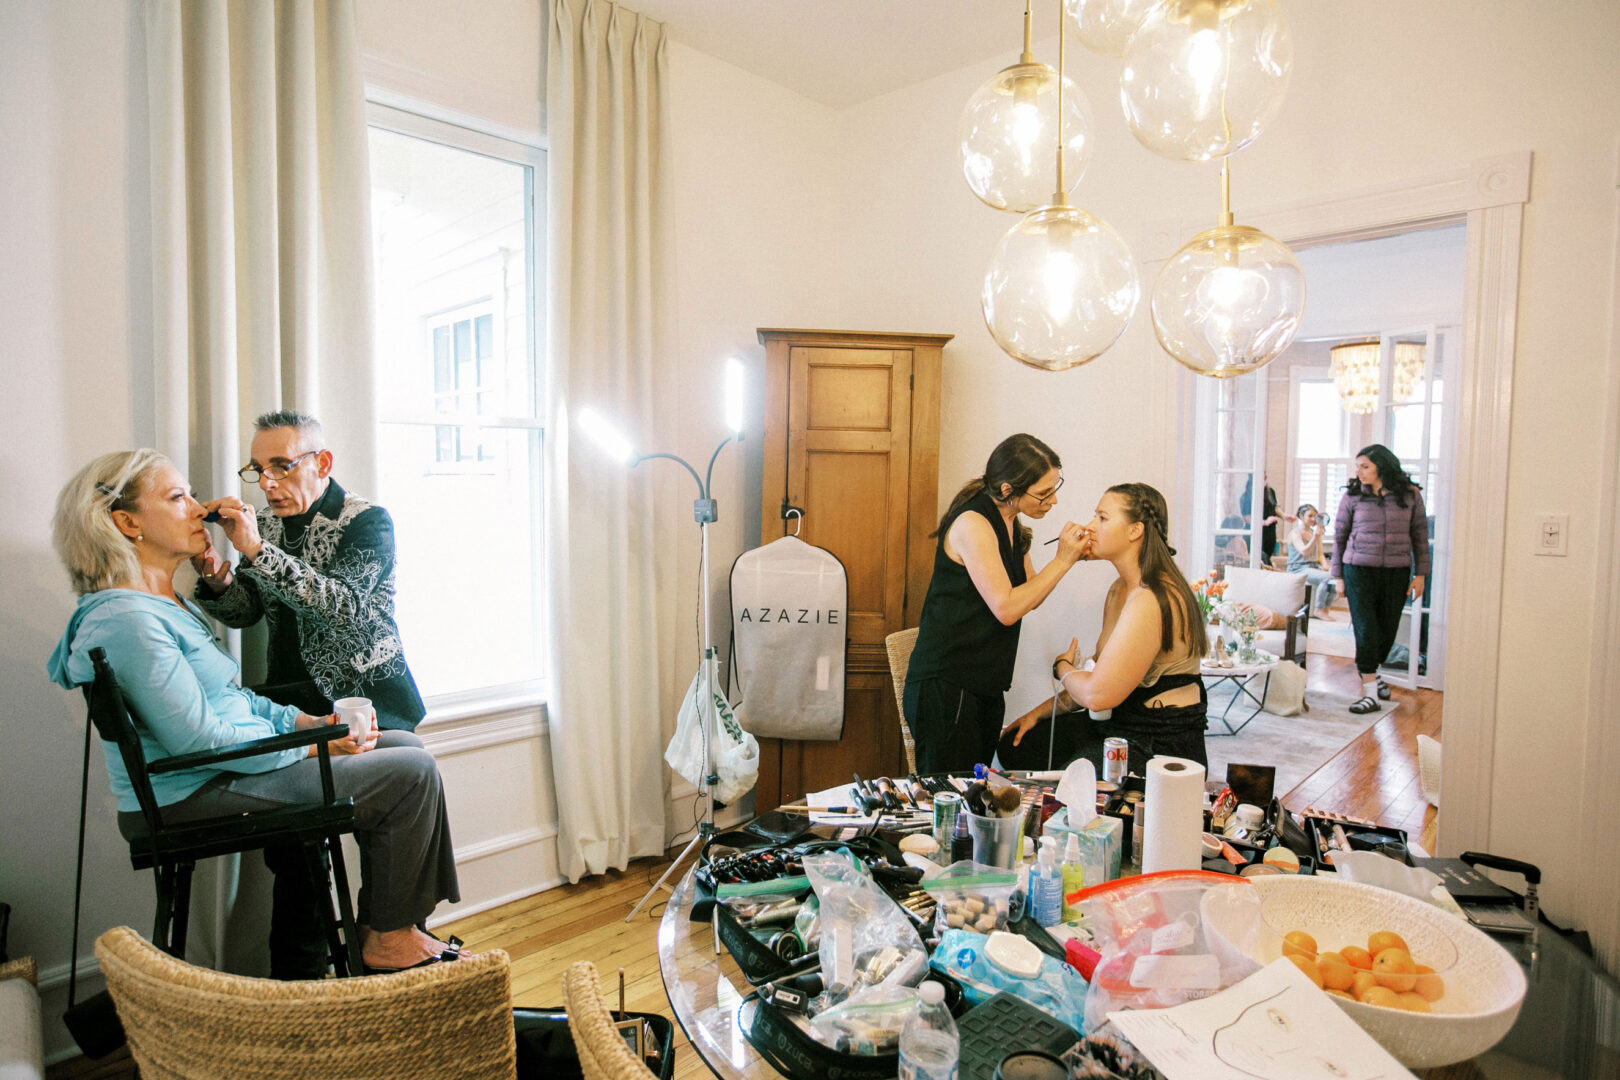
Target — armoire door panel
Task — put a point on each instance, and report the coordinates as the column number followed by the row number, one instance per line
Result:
column 847, row 397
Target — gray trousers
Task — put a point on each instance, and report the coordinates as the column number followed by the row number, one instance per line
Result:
column 406, row 862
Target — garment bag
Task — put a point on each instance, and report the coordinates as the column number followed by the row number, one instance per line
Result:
column 789, row 614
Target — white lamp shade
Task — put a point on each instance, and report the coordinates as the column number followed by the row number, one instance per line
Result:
column 1203, row 78
column 1060, row 289
column 1008, row 137
column 1107, row 26
column 1228, row 302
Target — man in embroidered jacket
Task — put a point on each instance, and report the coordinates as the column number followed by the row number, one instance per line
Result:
column 317, row 564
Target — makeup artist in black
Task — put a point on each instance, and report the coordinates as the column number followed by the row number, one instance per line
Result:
column 984, row 583
column 318, row 566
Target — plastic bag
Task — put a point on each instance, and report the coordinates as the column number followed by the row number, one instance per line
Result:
column 866, row 938
column 972, row 896
column 1058, row 989
column 1156, row 951
column 869, row 1022
column 735, row 752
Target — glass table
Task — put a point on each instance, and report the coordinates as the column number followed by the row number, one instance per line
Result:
column 1569, row 1026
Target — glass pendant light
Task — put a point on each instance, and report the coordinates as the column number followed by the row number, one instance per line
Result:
column 1203, row 78
column 1062, row 284
column 1107, row 26
column 1009, row 123
column 1229, row 301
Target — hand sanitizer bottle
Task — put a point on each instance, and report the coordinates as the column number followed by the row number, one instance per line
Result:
column 1046, row 885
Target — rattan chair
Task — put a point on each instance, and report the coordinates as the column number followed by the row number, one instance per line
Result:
column 446, row 1021
column 603, row 1054
column 899, row 644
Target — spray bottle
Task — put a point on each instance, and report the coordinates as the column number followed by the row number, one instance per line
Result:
column 1074, row 878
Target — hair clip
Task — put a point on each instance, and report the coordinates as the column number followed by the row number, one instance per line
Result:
column 106, row 489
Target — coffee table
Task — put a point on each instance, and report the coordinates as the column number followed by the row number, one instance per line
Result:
column 1242, row 677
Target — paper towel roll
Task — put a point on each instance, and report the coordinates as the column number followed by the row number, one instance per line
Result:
column 1172, row 834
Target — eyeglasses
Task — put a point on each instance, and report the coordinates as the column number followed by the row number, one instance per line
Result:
column 250, row 474
column 1049, row 496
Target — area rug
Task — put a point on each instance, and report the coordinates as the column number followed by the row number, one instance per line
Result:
column 1296, row 745
column 1334, row 637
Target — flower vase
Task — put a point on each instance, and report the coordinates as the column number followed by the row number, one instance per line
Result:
column 1248, row 653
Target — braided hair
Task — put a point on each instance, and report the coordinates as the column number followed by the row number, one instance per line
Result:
column 1018, row 461
column 1160, row 574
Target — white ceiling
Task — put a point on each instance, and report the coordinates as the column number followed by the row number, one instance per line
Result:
column 843, row 52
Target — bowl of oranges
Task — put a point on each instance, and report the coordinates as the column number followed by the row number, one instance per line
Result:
column 1429, row 987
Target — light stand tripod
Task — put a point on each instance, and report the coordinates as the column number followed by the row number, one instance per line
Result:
column 704, row 511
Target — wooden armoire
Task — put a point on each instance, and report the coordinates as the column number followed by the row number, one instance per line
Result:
column 852, row 438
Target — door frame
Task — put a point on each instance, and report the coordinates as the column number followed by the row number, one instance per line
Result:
column 1487, row 195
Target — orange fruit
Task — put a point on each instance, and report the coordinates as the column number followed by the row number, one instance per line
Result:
column 1336, row 973
column 1381, row 995
column 1357, row 957
column 1299, row 943
column 1394, row 969
column 1413, row 1002
column 1429, row 986
column 1361, row 982
column 1308, row 966
column 1385, row 939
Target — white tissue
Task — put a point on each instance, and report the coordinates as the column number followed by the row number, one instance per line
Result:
column 1078, row 791
column 1371, row 868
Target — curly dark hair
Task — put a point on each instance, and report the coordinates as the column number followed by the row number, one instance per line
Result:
column 1390, row 473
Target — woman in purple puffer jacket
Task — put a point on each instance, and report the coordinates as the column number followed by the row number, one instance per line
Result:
column 1381, row 556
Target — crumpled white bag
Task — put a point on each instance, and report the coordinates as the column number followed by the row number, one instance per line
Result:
column 735, row 752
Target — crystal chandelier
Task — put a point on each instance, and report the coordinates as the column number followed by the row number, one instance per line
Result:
column 1009, row 123
column 1357, row 367
column 1355, row 374
column 1062, row 284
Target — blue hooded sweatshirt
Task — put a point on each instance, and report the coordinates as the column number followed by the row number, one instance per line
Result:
column 179, row 684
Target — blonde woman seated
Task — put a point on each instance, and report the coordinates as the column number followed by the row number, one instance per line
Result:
column 124, row 524
column 1148, row 652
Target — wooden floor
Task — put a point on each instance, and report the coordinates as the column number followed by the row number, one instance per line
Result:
column 1376, row 777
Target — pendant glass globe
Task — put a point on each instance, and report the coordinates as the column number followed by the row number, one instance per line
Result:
column 1229, row 302
column 1107, row 26
column 1203, row 78
column 1060, row 289
column 1008, row 136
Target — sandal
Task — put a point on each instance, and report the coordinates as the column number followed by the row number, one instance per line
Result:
column 1365, row 705
column 451, row 951
column 1383, row 690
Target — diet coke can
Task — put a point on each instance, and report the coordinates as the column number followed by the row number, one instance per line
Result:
column 1116, row 760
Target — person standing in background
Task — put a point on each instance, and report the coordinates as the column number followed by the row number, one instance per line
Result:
column 1381, row 555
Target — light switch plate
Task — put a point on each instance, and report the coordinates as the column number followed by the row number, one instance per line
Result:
column 1552, row 534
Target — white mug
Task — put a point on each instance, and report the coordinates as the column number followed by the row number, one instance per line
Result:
column 358, row 714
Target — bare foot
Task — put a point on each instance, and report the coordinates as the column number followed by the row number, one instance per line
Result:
column 401, row 948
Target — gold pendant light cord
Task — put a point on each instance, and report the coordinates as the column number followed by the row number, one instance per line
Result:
column 1226, row 191
column 1029, row 52
column 1061, row 196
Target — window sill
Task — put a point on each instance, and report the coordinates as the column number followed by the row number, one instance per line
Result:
column 449, row 709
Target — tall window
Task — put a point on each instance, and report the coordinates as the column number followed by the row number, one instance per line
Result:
column 454, row 222
column 1321, row 452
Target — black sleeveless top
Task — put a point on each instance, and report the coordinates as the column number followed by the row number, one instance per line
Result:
column 959, row 639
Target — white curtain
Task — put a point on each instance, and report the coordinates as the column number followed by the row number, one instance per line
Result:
column 609, row 254
column 261, row 280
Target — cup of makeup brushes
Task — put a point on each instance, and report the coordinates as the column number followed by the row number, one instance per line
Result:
column 997, row 841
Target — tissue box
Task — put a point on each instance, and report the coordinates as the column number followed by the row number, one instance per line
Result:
column 1101, row 844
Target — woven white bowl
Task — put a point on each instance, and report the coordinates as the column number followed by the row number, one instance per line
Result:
column 1484, row 985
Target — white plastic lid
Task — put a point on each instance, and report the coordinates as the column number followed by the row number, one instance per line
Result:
column 931, row 992
column 1251, row 814
column 1071, row 851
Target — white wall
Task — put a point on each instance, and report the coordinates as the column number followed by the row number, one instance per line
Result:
column 72, row 378
column 1382, row 92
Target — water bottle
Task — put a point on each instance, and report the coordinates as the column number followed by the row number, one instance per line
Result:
column 928, row 1041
